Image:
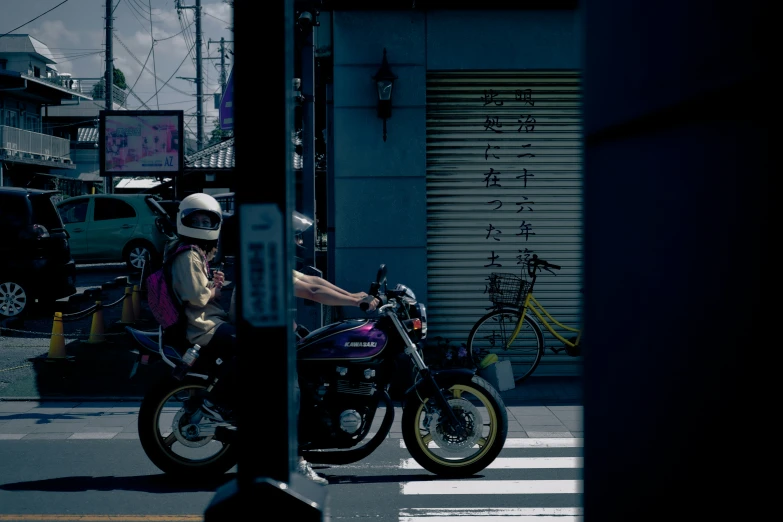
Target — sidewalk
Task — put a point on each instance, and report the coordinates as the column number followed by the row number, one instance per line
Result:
column 92, row 386
column 542, row 408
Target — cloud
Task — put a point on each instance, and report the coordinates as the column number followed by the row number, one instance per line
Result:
column 52, row 32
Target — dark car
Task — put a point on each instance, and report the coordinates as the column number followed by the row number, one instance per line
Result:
column 35, row 259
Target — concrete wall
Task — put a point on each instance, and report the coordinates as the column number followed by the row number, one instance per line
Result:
column 380, row 187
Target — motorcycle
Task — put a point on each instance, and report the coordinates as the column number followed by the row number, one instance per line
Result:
column 454, row 423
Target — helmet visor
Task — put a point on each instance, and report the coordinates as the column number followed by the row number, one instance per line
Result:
column 201, row 219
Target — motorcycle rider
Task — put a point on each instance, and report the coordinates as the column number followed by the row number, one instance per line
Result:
column 198, row 224
column 207, row 323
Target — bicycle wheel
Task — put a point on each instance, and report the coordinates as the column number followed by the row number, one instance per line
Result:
column 491, row 334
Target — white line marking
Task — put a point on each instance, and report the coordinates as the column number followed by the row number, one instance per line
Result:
column 565, row 442
column 491, row 514
column 11, row 436
column 518, row 463
column 491, row 487
column 93, row 435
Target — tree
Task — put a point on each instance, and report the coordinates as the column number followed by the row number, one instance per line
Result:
column 217, row 135
column 118, row 79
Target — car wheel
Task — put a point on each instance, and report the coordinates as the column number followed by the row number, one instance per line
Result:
column 139, row 254
column 14, row 300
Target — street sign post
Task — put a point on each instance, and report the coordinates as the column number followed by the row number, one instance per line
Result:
column 227, row 104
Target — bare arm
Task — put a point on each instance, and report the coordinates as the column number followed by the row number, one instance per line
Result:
column 320, row 281
column 326, row 295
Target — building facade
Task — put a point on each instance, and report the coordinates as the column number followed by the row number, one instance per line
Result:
column 481, row 163
column 30, row 85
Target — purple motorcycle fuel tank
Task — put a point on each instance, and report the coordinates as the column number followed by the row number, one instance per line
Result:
column 348, row 339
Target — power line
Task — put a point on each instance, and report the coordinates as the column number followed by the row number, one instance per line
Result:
column 145, row 67
column 173, row 35
column 216, row 18
column 134, row 11
column 34, row 19
column 172, row 75
column 155, row 72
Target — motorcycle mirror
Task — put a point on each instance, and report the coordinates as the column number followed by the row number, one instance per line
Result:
column 381, row 277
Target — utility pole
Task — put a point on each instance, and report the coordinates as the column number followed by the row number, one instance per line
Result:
column 223, row 79
column 107, row 181
column 199, row 77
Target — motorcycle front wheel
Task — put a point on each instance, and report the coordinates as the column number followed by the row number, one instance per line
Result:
column 449, row 452
column 175, row 435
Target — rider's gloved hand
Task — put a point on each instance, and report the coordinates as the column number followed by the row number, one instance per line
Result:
column 372, row 302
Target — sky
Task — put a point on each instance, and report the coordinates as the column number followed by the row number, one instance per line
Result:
column 75, row 33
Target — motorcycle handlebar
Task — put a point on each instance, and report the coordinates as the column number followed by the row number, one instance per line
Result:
column 364, row 306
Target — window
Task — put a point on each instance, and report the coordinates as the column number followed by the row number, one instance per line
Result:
column 32, row 124
column 111, row 208
column 14, row 213
column 11, row 118
column 45, row 212
column 74, row 211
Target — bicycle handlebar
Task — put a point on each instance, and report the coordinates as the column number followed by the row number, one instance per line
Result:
column 535, row 262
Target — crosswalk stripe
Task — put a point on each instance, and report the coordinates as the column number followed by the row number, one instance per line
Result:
column 491, row 514
column 518, row 463
column 93, row 435
column 491, row 487
column 564, row 442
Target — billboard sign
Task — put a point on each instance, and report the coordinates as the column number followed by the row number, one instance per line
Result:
column 141, row 143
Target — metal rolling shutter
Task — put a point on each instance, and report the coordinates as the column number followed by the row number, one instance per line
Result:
column 504, row 180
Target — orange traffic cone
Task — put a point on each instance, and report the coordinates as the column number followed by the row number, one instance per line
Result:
column 98, row 325
column 57, row 342
column 136, row 303
column 127, row 307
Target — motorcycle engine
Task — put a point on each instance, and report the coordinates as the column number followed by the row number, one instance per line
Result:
column 350, row 421
column 338, row 407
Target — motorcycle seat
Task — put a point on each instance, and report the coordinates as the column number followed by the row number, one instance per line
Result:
column 151, row 341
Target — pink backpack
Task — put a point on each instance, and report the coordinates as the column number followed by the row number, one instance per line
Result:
column 163, row 302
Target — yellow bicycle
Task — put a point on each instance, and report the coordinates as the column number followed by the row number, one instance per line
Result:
column 509, row 331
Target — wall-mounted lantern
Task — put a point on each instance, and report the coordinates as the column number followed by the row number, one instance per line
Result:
column 384, row 81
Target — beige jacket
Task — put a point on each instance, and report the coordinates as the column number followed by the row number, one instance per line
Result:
column 193, row 287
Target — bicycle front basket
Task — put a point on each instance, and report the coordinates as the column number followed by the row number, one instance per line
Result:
column 507, row 289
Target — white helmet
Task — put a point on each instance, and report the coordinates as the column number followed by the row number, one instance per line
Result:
column 199, row 202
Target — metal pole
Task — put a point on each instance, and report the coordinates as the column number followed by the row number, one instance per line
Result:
column 109, row 56
column 107, row 180
column 199, row 80
column 222, row 66
column 265, row 287
column 330, row 270
column 310, row 313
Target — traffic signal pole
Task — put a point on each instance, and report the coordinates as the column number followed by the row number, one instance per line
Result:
column 266, row 414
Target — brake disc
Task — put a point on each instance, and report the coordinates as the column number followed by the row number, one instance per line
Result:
column 456, row 442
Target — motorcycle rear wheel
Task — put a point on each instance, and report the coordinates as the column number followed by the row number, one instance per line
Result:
column 438, row 449
column 176, row 437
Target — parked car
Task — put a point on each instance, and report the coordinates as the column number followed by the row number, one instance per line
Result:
column 107, row 228
column 35, row 257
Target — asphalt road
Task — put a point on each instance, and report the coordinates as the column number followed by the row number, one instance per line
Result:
column 114, row 480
